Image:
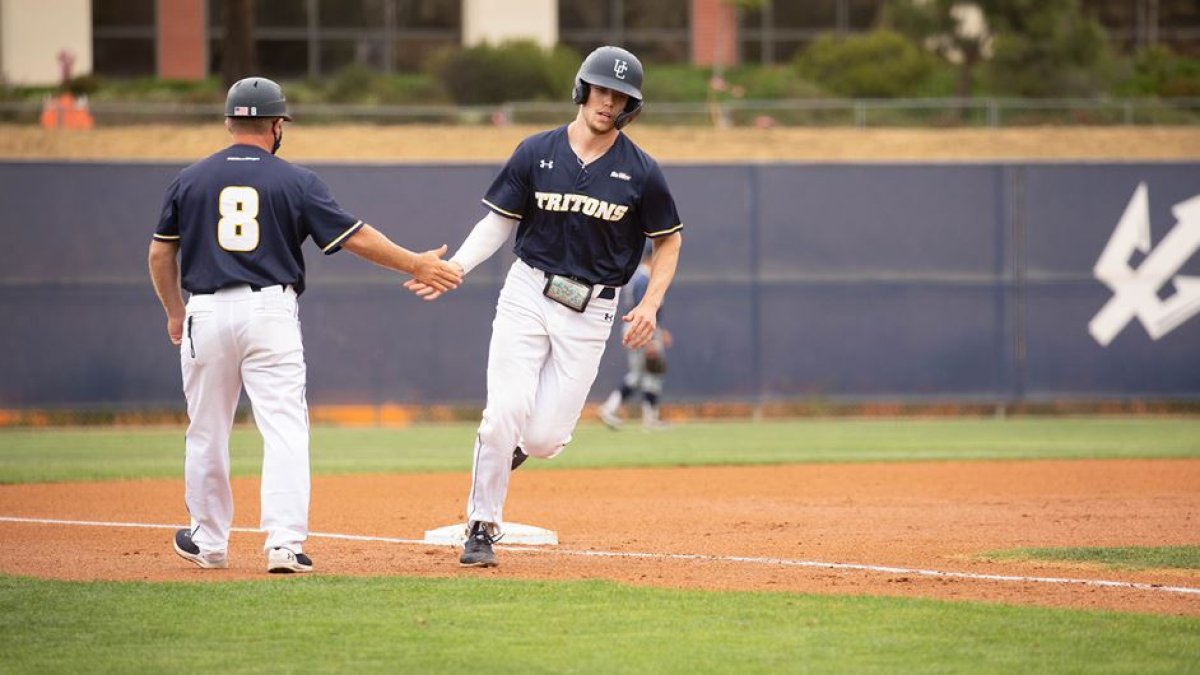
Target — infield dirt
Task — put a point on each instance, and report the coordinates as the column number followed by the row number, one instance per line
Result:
column 931, row 515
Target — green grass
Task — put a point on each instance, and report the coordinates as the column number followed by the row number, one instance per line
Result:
column 1130, row 557
column 477, row 623
column 471, row 624
column 58, row 454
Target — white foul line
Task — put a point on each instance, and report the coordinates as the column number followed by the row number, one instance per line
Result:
column 782, row 562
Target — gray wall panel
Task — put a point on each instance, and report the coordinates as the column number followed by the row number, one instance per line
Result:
column 881, row 339
column 851, row 281
column 847, row 219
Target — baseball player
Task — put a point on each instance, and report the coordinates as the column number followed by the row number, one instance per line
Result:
column 582, row 199
column 230, row 234
column 646, row 366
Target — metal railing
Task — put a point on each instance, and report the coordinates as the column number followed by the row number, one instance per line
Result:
column 914, row 112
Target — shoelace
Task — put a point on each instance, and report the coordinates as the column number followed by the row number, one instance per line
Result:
column 482, row 534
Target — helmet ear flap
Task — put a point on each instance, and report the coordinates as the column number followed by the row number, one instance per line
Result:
column 633, row 108
column 580, row 93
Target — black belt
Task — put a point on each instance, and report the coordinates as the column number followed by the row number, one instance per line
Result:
column 253, row 287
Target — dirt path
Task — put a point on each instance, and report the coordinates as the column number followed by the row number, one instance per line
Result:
column 937, row 516
column 667, row 144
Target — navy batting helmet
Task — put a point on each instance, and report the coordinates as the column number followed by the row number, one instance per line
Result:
column 256, row 97
column 612, row 68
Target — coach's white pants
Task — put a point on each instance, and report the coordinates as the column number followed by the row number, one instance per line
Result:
column 232, row 338
column 542, row 361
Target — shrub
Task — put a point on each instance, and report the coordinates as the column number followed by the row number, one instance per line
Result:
column 514, row 71
column 419, row 89
column 880, row 64
column 85, row 85
column 354, row 83
column 772, row 82
column 675, row 84
column 1158, row 71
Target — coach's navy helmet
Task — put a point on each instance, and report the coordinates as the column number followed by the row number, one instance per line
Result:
column 612, row 68
column 256, row 97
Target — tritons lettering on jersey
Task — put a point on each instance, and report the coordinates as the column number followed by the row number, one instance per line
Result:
column 588, row 206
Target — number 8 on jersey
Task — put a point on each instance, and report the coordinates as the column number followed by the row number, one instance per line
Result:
column 237, row 230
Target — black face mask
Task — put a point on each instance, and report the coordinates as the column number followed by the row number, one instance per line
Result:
column 278, row 141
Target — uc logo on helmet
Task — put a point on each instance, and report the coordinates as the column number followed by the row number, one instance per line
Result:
column 620, row 67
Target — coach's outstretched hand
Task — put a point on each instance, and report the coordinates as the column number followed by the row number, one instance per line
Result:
column 434, row 273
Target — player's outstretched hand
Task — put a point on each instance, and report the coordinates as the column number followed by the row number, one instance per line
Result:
column 423, row 291
column 434, row 273
column 642, row 321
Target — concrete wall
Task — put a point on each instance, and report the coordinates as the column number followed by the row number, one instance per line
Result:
column 497, row 22
column 33, row 33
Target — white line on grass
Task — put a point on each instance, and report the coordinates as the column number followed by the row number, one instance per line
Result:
column 749, row 560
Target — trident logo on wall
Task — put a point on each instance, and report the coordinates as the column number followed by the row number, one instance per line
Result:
column 1136, row 290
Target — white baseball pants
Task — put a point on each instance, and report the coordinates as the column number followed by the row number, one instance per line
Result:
column 237, row 337
column 542, row 361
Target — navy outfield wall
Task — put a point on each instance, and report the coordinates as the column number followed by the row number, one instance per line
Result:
column 885, row 281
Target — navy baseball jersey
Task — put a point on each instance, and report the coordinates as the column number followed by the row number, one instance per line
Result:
column 585, row 222
column 241, row 215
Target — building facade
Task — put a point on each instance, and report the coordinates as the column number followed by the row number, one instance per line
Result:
column 182, row 39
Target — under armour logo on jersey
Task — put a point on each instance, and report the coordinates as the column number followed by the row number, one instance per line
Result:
column 1136, row 290
column 620, row 67
column 608, row 317
column 546, row 163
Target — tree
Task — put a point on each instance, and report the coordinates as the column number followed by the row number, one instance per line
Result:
column 879, row 64
column 1047, row 48
column 1026, row 47
column 957, row 31
column 238, row 56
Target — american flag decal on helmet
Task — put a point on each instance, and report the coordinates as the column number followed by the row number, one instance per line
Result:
column 241, row 110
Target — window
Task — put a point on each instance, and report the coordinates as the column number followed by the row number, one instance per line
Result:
column 775, row 33
column 124, row 38
column 655, row 31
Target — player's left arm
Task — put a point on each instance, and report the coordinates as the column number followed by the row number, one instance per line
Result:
column 164, row 274
column 643, row 318
column 488, row 235
column 661, row 223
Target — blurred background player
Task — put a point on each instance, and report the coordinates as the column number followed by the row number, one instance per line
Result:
column 230, row 234
column 583, row 199
column 646, row 365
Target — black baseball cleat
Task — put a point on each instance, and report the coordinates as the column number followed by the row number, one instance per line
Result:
column 285, row 561
column 519, row 458
column 477, row 552
column 189, row 551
